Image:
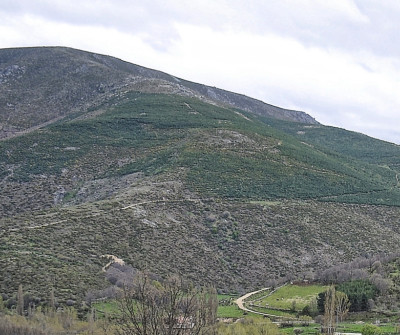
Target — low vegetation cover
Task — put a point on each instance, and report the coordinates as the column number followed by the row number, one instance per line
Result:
column 225, row 174
column 248, row 326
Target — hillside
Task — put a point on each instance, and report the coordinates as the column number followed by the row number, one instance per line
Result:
column 42, row 85
column 154, row 170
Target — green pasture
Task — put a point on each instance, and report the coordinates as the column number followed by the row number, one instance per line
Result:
column 226, row 308
column 290, row 296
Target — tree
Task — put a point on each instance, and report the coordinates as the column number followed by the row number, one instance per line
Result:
column 20, row 300
column 52, row 300
column 293, row 307
column 358, row 292
column 321, row 302
column 313, row 308
column 173, row 307
column 342, row 305
column 330, row 309
column 2, row 307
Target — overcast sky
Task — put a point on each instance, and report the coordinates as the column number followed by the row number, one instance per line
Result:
column 338, row 60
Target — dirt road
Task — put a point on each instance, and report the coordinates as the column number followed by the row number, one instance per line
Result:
column 240, row 301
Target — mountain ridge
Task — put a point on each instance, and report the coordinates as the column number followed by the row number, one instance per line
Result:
column 110, row 77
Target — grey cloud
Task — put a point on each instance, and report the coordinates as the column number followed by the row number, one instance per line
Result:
column 153, row 21
column 377, row 33
column 312, row 25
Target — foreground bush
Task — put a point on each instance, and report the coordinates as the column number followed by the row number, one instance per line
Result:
column 248, row 326
column 52, row 323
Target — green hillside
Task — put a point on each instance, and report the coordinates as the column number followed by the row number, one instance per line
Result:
column 169, row 180
column 224, row 152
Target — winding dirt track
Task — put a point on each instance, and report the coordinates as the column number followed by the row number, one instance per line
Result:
column 240, row 301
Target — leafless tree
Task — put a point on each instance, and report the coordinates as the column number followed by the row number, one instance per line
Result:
column 20, row 300
column 381, row 284
column 173, row 307
column 330, row 309
column 342, row 305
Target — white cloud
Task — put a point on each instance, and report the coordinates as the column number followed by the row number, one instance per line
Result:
column 343, row 89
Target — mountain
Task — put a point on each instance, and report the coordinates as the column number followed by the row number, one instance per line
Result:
column 42, row 85
column 102, row 157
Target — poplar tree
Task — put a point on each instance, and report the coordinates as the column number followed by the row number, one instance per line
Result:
column 342, row 305
column 330, row 309
column 20, row 300
column 52, row 300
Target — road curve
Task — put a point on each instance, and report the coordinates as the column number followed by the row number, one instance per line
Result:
column 240, row 301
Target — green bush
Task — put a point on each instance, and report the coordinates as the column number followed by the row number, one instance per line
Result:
column 369, row 329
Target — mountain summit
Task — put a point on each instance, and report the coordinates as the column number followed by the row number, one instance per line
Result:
column 41, row 85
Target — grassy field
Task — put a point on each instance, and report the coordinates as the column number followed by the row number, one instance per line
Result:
column 313, row 329
column 284, row 297
column 226, row 308
column 274, row 312
column 109, row 307
column 231, row 311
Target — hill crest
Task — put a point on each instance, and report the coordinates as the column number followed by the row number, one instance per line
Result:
column 48, row 83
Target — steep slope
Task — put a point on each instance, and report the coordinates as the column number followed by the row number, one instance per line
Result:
column 40, row 85
column 225, row 153
column 156, row 224
column 176, row 185
column 168, row 180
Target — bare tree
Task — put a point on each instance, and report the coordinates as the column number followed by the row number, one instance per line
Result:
column 381, row 283
column 342, row 305
column 330, row 308
column 52, row 302
column 173, row 307
column 20, row 300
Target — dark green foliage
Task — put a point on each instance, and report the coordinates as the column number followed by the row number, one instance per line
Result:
column 321, row 302
column 358, row 292
column 342, row 141
column 226, row 153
